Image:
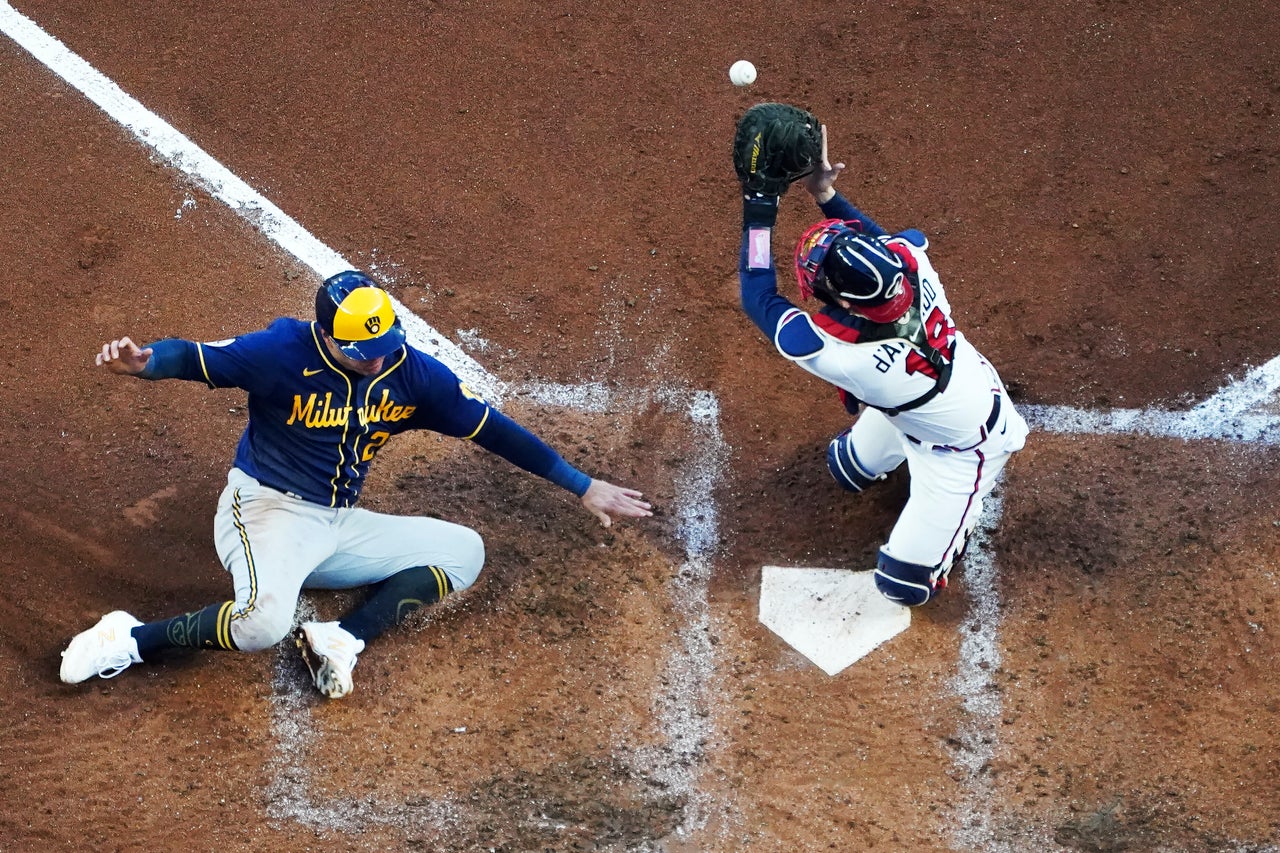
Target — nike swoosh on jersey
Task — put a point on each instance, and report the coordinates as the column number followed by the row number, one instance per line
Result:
column 312, row 371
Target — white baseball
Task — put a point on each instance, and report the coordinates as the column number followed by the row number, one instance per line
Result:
column 742, row 73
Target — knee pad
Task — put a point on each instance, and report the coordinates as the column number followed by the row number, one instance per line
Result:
column 845, row 467
column 908, row 583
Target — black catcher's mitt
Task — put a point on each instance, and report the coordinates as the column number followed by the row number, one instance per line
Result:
column 774, row 145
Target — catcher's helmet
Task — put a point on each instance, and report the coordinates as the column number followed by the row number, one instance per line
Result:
column 358, row 315
column 835, row 260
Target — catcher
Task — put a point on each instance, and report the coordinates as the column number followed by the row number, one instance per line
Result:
column 919, row 392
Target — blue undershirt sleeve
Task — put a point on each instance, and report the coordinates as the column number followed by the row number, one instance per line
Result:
column 173, row 358
column 758, row 282
column 503, row 436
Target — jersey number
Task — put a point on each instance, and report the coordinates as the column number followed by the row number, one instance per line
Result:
column 376, row 440
column 941, row 334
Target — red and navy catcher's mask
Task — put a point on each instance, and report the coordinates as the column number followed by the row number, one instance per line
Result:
column 835, row 260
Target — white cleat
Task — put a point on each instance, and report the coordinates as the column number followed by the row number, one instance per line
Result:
column 329, row 651
column 105, row 650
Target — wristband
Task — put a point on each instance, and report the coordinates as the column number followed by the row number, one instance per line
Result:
column 759, row 211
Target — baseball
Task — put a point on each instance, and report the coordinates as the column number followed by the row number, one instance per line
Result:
column 742, row 73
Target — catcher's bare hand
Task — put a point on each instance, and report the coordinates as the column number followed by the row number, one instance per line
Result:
column 606, row 501
column 819, row 182
column 123, row 356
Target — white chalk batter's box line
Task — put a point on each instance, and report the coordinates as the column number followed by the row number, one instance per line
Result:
column 1225, row 416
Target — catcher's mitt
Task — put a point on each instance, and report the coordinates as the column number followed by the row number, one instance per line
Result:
column 774, row 145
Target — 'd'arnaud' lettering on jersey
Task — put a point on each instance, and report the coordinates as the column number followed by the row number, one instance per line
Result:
column 317, row 413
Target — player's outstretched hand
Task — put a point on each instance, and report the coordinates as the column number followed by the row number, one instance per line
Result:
column 124, row 357
column 606, row 501
column 819, row 181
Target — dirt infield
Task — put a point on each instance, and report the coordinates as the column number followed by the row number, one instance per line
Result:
column 549, row 186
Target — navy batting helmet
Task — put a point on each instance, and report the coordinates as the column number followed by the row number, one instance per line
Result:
column 835, row 260
column 358, row 315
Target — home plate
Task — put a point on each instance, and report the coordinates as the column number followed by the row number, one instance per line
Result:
column 831, row 616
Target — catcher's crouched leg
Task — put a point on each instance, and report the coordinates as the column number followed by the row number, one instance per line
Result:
column 908, row 583
column 845, row 467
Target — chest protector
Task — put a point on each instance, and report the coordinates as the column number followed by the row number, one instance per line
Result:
column 909, row 327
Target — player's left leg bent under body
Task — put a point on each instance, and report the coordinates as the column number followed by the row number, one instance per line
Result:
column 373, row 546
column 408, row 561
column 274, row 545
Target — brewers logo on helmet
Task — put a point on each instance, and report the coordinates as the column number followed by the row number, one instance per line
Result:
column 359, row 316
column 836, row 260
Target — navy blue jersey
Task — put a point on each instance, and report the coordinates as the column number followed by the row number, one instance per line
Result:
column 314, row 428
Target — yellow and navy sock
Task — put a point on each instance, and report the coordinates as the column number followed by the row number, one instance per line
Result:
column 393, row 599
column 208, row 628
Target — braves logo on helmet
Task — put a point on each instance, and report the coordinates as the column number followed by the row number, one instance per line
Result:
column 835, row 260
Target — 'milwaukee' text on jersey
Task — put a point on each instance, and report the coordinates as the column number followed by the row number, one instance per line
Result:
column 316, row 412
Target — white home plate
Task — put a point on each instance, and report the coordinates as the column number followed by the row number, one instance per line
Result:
column 831, row 616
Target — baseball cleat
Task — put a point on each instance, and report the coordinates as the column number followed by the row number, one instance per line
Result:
column 329, row 651
column 105, row 650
